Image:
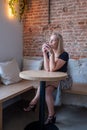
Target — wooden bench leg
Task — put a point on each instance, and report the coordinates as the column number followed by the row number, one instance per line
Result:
column 0, row 116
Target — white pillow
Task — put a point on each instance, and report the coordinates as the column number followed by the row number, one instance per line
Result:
column 32, row 63
column 78, row 70
column 9, row 72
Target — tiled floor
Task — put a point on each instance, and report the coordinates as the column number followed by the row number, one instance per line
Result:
column 68, row 118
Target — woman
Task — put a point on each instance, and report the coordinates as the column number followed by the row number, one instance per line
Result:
column 55, row 59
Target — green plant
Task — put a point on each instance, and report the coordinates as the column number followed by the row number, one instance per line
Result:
column 17, row 7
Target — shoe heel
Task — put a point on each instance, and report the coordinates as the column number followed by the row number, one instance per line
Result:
column 54, row 120
column 50, row 120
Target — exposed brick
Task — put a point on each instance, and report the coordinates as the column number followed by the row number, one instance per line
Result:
column 68, row 17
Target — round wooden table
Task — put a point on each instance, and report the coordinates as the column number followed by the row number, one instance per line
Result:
column 42, row 76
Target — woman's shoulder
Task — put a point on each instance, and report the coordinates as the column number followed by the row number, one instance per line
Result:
column 64, row 55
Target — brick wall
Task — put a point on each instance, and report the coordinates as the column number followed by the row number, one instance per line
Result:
column 69, row 17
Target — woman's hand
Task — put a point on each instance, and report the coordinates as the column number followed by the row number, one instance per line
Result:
column 44, row 48
column 47, row 48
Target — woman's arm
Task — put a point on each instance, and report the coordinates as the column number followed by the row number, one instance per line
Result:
column 52, row 63
column 49, row 63
column 45, row 56
column 55, row 65
column 46, row 62
column 59, row 63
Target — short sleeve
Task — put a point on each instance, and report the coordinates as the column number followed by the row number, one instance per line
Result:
column 64, row 56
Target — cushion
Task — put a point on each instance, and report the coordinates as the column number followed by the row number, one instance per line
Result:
column 32, row 63
column 9, row 72
column 78, row 70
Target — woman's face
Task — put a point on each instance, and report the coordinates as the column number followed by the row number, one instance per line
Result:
column 53, row 42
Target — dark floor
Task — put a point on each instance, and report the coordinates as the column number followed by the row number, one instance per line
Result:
column 68, row 118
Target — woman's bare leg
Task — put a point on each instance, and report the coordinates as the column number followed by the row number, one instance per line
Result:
column 35, row 99
column 32, row 104
column 49, row 100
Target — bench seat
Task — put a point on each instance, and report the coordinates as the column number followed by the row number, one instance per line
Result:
column 9, row 91
column 77, row 88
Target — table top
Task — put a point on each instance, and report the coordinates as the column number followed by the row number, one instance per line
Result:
column 42, row 75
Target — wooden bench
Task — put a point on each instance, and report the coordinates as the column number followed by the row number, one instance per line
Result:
column 77, row 88
column 10, row 91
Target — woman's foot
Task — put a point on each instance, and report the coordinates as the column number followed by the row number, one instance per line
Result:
column 50, row 119
column 31, row 107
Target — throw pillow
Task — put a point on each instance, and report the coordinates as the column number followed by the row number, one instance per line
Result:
column 78, row 70
column 9, row 72
column 33, row 63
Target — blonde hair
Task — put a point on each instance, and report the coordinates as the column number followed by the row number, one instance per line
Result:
column 60, row 42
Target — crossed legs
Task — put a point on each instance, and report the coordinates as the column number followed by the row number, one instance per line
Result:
column 49, row 100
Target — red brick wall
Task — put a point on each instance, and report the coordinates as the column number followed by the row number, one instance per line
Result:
column 69, row 17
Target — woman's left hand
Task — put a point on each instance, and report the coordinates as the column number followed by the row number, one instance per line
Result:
column 49, row 48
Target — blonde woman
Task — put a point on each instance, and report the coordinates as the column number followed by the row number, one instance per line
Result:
column 55, row 59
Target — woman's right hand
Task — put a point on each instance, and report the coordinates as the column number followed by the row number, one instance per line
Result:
column 44, row 48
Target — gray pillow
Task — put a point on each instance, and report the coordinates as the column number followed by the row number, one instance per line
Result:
column 9, row 72
column 78, row 70
column 32, row 63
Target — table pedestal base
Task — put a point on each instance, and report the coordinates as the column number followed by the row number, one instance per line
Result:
column 36, row 126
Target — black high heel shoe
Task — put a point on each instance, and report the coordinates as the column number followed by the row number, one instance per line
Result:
column 31, row 107
column 50, row 119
